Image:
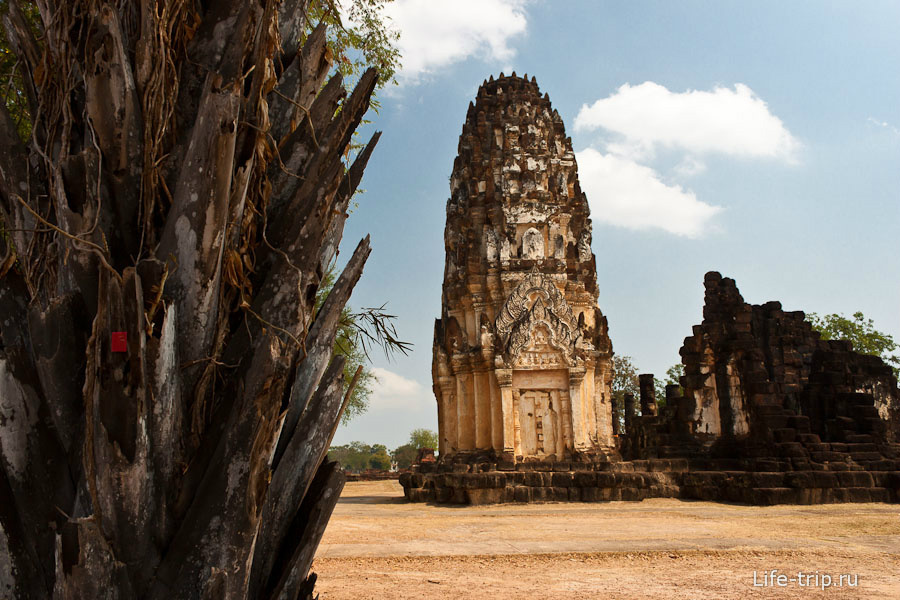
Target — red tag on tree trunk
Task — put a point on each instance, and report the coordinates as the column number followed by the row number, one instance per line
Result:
column 120, row 341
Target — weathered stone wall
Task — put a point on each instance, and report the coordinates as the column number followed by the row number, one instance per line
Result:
column 753, row 371
column 769, row 414
column 521, row 352
column 760, row 386
column 640, row 479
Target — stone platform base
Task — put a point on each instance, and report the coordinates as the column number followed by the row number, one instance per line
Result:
column 637, row 480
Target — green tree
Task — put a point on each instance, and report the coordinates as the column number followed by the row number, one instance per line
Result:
column 360, row 36
column 404, row 455
column 861, row 332
column 358, row 456
column 341, row 454
column 423, row 438
column 353, row 456
column 625, row 376
column 379, row 459
column 625, row 380
column 357, row 332
column 14, row 92
column 347, row 343
column 673, row 377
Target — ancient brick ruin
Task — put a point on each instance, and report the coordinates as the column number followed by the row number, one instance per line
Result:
column 522, row 360
column 766, row 412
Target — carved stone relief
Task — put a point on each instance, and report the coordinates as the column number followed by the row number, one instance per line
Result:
column 490, row 246
column 584, row 246
column 537, row 319
column 533, row 245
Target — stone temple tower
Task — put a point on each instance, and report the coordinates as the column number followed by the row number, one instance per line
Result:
column 522, row 358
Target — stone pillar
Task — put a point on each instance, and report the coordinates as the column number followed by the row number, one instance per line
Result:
column 487, row 409
column 496, row 407
column 648, row 395
column 504, row 380
column 614, row 409
column 683, row 407
column 442, row 423
column 478, row 409
column 450, row 434
column 517, row 425
column 630, row 412
column 673, row 391
column 560, row 430
column 592, row 396
column 465, row 418
column 576, row 400
column 566, row 409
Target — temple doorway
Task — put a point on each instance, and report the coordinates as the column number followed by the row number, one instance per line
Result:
column 538, row 420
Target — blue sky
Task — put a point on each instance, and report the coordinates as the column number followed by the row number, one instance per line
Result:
column 761, row 140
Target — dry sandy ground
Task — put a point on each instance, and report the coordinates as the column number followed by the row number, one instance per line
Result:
column 379, row 546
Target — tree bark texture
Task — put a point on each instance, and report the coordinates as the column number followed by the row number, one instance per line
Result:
column 184, row 184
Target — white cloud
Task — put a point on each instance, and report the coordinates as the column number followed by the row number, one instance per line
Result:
column 689, row 166
column 883, row 124
column 434, row 35
column 637, row 121
column 393, row 391
column 733, row 122
column 627, row 194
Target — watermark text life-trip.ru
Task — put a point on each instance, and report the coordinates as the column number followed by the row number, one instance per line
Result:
column 775, row 578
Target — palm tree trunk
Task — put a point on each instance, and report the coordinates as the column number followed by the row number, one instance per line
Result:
column 184, row 184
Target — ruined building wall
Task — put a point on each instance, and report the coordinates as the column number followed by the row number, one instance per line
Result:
column 766, row 413
column 522, row 358
column 750, row 368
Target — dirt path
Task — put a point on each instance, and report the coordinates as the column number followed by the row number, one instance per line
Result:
column 379, row 546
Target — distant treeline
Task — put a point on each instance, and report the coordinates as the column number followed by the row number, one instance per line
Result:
column 359, row 456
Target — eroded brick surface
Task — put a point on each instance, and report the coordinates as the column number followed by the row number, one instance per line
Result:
column 522, row 364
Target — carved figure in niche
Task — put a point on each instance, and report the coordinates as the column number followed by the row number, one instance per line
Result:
column 584, row 246
column 541, row 337
column 490, row 245
column 487, row 338
column 451, row 265
column 559, row 248
column 456, row 338
column 533, row 245
column 504, row 249
column 538, row 309
column 537, row 348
